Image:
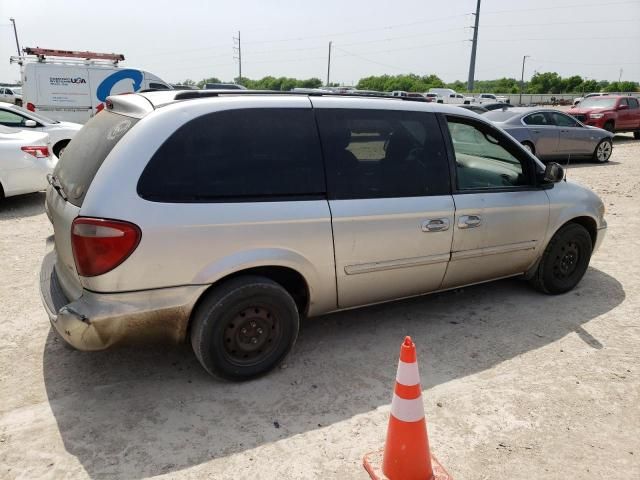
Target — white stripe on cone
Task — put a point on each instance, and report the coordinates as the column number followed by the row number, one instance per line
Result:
column 408, row 373
column 407, row 410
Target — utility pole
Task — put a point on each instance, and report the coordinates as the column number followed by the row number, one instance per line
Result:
column 620, row 76
column 15, row 32
column 329, row 64
column 474, row 46
column 238, row 49
column 524, row 59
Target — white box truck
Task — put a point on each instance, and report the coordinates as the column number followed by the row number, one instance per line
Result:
column 73, row 86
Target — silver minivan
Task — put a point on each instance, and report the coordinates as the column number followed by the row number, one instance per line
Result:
column 223, row 217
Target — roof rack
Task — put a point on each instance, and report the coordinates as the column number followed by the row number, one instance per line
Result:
column 192, row 94
column 42, row 52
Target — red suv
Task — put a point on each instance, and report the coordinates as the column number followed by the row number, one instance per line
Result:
column 611, row 112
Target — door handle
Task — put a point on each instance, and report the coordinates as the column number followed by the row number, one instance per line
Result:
column 469, row 221
column 535, row 131
column 435, row 225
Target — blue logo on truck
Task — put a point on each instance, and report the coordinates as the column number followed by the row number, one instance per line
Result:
column 104, row 89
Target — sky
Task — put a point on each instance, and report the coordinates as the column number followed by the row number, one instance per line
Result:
column 193, row 39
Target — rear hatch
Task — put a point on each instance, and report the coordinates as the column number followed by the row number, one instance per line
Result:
column 70, row 182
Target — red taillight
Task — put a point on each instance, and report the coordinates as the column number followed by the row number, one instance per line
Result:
column 31, row 107
column 101, row 245
column 36, row 151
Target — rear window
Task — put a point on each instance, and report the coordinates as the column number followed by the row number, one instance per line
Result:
column 84, row 155
column 238, row 155
column 500, row 115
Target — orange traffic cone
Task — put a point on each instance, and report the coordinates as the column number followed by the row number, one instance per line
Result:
column 406, row 454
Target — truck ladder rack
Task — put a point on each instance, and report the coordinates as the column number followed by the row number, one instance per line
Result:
column 41, row 53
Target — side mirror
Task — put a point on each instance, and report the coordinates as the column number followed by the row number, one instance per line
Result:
column 30, row 123
column 553, row 173
column 623, row 107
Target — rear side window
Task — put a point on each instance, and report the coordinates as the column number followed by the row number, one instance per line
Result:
column 238, row 155
column 539, row 118
column 84, row 155
column 383, row 153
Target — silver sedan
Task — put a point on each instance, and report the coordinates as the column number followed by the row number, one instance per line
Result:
column 550, row 134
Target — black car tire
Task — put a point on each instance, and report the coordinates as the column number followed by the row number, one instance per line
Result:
column 609, row 126
column 636, row 134
column 564, row 261
column 244, row 328
column 607, row 147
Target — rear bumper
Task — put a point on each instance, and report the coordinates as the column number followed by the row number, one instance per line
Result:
column 97, row 321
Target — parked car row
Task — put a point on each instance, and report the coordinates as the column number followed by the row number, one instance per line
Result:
column 30, row 145
column 585, row 131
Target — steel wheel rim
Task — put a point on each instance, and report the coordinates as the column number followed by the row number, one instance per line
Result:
column 604, row 151
column 566, row 261
column 251, row 335
column 527, row 147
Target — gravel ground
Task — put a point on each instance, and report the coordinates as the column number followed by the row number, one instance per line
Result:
column 516, row 384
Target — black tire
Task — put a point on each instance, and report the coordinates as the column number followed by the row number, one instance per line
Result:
column 564, row 261
column 529, row 146
column 636, row 134
column 603, row 151
column 610, row 126
column 244, row 328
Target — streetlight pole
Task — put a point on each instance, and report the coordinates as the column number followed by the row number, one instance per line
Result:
column 524, row 59
column 329, row 64
column 15, row 32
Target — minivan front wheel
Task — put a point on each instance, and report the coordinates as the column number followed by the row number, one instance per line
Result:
column 244, row 328
column 564, row 261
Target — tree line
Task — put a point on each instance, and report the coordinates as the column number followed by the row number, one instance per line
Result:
column 540, row 83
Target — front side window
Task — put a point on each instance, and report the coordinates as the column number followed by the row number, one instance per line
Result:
column 633, row 103
column 483, row 160
column 563, row 120
column 238, row 155
column 382, row 153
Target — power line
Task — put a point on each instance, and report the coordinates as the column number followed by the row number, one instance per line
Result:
column 564, row 39
column 558, row 7
column 544, row 24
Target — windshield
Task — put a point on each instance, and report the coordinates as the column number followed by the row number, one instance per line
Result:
column 500, row 115
column 598, row 102
column 35, row 116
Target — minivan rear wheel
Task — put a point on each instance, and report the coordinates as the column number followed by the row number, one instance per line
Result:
column 244, row 328
column 564, row 261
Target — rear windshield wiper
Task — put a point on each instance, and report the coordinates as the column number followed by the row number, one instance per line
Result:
column 55, row 183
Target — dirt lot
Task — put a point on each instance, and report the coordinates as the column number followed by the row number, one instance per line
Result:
column 516, row 384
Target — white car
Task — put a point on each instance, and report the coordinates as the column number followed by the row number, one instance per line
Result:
column 576, row 101
column 25, row 161
column 490, row 98
column 11, row 95
column 60, row 133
